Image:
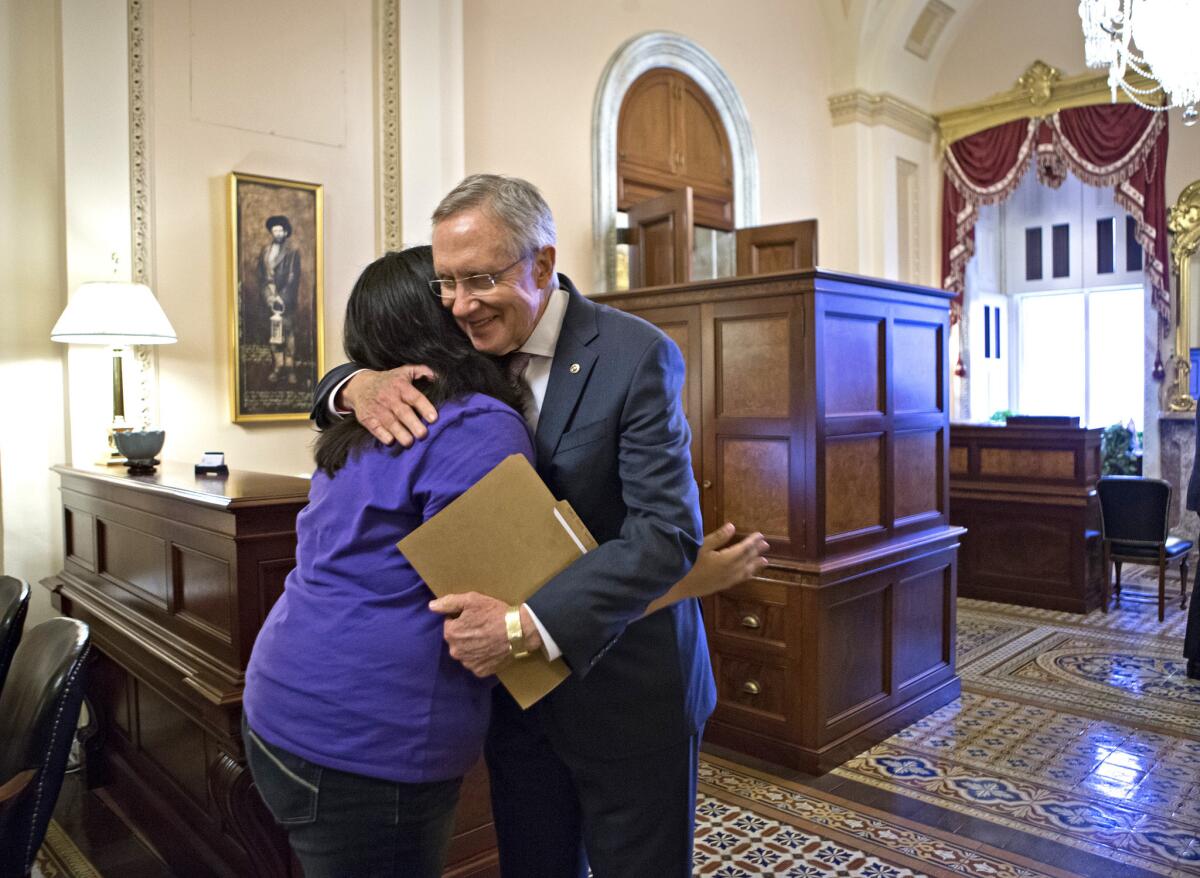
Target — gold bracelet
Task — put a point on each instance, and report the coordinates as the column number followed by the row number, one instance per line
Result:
column 516, row 634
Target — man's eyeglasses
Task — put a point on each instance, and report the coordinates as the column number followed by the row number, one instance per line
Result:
column 480, row 285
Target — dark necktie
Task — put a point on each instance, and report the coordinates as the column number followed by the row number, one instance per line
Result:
column 516, row 364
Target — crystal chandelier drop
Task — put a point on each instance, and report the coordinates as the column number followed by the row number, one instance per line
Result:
column 1164, row 31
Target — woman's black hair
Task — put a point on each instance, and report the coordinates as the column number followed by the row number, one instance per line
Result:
column 393, row 319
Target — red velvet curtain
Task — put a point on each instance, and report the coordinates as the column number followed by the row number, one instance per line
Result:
column 1117, row 145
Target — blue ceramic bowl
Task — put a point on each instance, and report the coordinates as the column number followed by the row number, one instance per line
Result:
column 140, row 445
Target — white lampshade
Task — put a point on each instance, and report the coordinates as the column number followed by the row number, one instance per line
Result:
column 113, row 313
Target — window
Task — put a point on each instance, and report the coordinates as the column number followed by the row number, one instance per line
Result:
column 1081, row 354
column 1058, row 273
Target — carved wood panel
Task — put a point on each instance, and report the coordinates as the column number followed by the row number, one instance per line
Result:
column 753, row 479
column 917, row 482
column 853, row 484
column 777, row 247
column 917, row 369
column 856, row 632
column 924, row 613
column 753, row 384
column 202, row 591
column 853, row 360
column 79, row 532
column 752, row 356
column 134, row 560
column 682, row 326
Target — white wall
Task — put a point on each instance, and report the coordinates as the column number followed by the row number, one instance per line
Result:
column 32, row 430
column 298, row 106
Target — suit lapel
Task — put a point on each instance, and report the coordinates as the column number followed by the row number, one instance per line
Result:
column 569, row 371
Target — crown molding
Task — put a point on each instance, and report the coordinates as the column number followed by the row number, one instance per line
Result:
column 881, row 109
column 1040, row 91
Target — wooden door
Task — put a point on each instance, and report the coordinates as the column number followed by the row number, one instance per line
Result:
column 670, row 135
column 778, row 247
column 660, row 232
column 753, row 466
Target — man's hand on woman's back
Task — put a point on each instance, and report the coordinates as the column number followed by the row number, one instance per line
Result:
column 388, row 404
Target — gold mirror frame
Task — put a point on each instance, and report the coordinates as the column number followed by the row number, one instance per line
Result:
column 1183, row 222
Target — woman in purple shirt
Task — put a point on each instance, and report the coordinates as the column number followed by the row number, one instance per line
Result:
column 358, row 724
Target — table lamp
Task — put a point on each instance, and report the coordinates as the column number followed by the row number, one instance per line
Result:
column 114, row 313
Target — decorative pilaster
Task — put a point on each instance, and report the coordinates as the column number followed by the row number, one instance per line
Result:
column 246, row 817
column 388, row 17
column 140, row 201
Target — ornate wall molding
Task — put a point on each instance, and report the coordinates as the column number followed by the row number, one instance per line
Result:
column 140, row 202
column 1040, row 91
column 387, row 16
column 882, row 109
column 631, row 60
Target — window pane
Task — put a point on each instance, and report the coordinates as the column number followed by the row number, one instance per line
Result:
column 1115, row 326
column 1051, row 377
column 1104, row 246
column 1061, row 242
column 987, row 332
column 1033, row 253
column 1133, row 250
column 997, row 329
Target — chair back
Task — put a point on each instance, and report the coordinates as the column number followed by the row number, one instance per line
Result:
column 1134, row 509
column 14, row 605
column 39, row 709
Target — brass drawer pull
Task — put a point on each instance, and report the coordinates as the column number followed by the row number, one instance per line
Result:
column 751, row 621
column 751, row 687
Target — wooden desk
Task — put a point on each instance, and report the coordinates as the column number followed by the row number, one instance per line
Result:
column 1027, row 497
column 818, row 403
column 175, row 574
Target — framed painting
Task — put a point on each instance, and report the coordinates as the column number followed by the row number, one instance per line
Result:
column 276, row 324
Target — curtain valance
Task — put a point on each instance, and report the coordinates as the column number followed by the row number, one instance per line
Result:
column 1112, row 145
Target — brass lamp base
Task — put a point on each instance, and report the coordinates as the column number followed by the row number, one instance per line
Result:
column 111, row 456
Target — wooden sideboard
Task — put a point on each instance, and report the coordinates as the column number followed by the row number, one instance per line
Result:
column 818, row 404
column 1027, row 497
column 175, row 574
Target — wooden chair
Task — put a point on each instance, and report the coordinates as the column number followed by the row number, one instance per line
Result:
column 1133, row 523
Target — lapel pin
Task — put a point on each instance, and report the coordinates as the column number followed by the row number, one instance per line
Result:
column 574, row 368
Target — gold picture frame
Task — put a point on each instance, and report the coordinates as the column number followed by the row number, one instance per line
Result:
column 276, row 297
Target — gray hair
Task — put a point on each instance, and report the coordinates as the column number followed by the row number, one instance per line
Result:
column 515, row 203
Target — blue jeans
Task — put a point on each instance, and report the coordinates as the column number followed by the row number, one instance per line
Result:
column 341, row 824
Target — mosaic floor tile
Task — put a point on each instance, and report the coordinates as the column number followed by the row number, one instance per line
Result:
column 1079, row 729
column 750, row 824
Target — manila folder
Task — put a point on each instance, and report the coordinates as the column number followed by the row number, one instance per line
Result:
column 505, row 536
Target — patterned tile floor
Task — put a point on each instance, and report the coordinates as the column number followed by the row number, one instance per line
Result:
column 1083, row 730
column 752, row 824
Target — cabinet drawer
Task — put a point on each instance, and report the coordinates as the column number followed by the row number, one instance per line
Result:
column 755, row 611
column 746, row 685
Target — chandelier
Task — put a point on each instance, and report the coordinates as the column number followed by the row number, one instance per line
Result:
column 1164, row 31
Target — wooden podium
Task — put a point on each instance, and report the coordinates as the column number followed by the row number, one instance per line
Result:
column 818, row 404
column 175, row 574
column 1027, row 497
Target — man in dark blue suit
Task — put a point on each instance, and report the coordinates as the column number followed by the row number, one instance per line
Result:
column 607, row 762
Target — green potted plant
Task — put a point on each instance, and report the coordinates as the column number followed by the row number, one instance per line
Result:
column 1118, row 453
